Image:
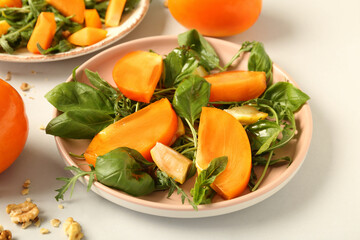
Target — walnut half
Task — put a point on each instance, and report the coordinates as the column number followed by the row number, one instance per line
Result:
column 73, row 229
column 23, row 212
column 5, row 235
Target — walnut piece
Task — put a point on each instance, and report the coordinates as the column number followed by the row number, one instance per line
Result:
column 55, row 222
column 23, row 212
column 73, row 229
column 25, row 87
column 8, row 76
column 25, row 191
column 44, row 231
column 27, row 183
column 5, row 234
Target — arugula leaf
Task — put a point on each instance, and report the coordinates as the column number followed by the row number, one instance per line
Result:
column 202, row 192
column 70, row 182
column 163, row 182
column 208, row 58
column 79, row 123
column 78, row 96
column 190, row 96
column 118, row 169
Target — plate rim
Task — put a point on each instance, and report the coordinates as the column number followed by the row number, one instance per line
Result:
column 213, row 209
column 136, row 17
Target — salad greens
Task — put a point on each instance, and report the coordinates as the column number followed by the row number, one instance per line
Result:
column 89, row 109
column 22, row 21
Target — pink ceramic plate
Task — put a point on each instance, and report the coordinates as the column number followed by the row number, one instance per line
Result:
column 128, row 23
column 157, row 203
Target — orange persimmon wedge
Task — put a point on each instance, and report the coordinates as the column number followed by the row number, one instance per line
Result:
column 87, row 36
column 220, row 134
column 236, row 85
column 11, row 3
column 137, row 74
column 114, row 12
column 4, row 27
column 75, row 8
column 140, row 131
column 92, row 18
column 43, row 33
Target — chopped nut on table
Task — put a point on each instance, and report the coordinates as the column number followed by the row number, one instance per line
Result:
column 8, row 76
column 25, row 87
column 73, row 229
column 55, row 222
column 27, row 183
column 23, row 213
column 44, row 231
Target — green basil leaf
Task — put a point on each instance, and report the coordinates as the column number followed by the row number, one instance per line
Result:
column 194, row 40
column 79, row 124
column 260, row 61
column 202, row 193
column 179, row 64
column 262, row 134
column 190, row 96
column 102, row 85
column 118, row 169
column 78, row 96
column 287, row 95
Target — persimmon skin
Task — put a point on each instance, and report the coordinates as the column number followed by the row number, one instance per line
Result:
column 216, row 18
column 14, row 125
column 141, row 130
column 236, row 85
column 220, row 134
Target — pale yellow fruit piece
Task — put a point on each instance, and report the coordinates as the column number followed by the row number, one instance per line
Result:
column 246, row 114
column 174, row 164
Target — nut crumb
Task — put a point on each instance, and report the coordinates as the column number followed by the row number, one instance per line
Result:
column 60, row 206
column 25, row 191
column 28, row 199
column 27, row 183
column 5, row 234
column 44, row 231
column 166, row 3
column 42, row 127
column 26, row 224
column 32, row 98
column 23, row 212
column 37, row 222
column 72, row 229
column 8, row 76
column 33, row 72
column 25, row 87
column 55, row 222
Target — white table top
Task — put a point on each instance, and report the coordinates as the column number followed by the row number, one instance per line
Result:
column 317, row 43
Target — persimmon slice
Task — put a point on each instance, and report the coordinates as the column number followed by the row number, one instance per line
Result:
column 114, row 12
column 236, row 85
column 140, row 131
column 43, row 33
column 75, row 8
column 87, row 36
column 137, row 74
column 220, row 134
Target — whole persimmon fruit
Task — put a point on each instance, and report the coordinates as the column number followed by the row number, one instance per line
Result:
column 13, row 125
column 216, row 18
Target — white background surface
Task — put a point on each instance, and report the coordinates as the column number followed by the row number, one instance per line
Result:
column 315, row 42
